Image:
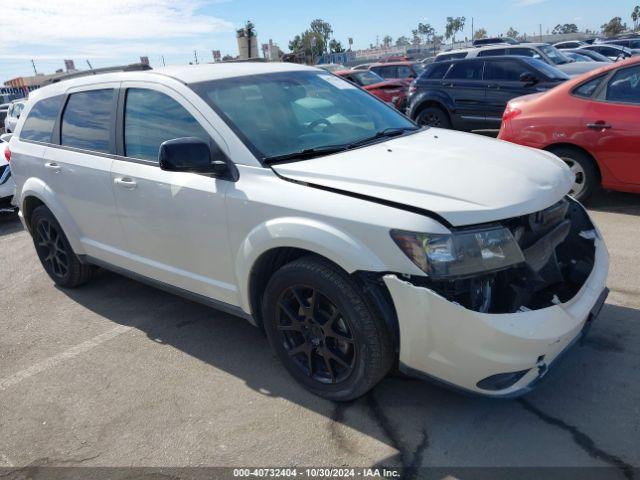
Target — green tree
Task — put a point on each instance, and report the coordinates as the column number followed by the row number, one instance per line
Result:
column 415, row 37
column 566, row 28
column 387, row 41
column 335, row 46
column 635, row 16
column 512, row 32
column 402, row 42
column 324, row 30
column 480, row 33
column 454, row 25
column 613, row 27
column 425, row 31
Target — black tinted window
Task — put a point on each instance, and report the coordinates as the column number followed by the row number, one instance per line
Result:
column 151, row 118
column 587, row 89
column 451, row 56
column 625, row 86
column 466, row 71
column 436, row 70
column 39, row 124
column 386, row 72
column 524, row 52
column 493, row 53
column 86, row 121
column 508, row 71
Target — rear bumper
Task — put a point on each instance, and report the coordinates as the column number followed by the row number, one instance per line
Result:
column 461, row 347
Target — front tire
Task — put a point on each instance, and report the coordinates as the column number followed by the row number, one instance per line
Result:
column 433, row 117
column 55, row 253
column 321, row 327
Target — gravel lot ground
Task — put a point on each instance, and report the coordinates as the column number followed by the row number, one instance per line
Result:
column 120, row 374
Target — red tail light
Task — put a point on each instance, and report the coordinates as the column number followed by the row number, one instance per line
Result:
column 7, row 153
column 510, row 113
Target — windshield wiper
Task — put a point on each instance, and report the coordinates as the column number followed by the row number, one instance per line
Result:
column 308, row 153
column 386, row 133
column 305, row 154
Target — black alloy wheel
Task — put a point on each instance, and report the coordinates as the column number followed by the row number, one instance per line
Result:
column 51, row 248
column 316, row 334
column 55, row 252
column 433, row 117
column 325, row 330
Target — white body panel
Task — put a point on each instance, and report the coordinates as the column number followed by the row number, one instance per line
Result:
column 204, row 235
column 461, row 347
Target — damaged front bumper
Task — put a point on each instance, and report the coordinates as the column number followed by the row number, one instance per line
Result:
column 495, row 354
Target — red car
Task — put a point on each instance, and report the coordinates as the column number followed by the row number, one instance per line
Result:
column 592, row 122
column 390, row 91
column 404, row 71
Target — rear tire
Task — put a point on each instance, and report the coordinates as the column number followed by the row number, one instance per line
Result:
column 55, row 253
column 586, row 174
column 433, row 117
column 324, row 331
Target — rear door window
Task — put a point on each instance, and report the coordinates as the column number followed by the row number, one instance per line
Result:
column 87, row 120
column 624, row 86
column 466, row 71
column 505, row 71
column 39, row 124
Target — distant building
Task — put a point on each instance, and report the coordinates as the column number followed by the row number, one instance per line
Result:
column 247, row 42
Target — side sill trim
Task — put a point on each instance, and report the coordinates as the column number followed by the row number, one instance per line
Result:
column 388, row 203
column 181, row 292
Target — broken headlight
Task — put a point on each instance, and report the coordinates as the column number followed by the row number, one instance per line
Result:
column 461, row 253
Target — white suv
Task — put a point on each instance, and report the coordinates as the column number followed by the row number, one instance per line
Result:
column 287, row 196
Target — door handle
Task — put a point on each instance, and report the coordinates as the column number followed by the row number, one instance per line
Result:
column 447, row 84
column 53, row 166
column 599, row 126
column 125, row 182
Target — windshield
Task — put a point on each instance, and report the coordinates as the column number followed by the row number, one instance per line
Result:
column 366, row 78
column 555, row 55
column 279, row 114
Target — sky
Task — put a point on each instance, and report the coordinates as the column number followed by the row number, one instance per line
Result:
column 113, row 32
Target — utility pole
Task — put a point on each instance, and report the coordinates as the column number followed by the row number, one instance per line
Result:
column 540, row 32
column 195, row 55
column 33, row 64
column 163, row 64
column 472, row 30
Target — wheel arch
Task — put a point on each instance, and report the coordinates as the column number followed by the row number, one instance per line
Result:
column 572, row 146
column 374, row 290
column 35, row 193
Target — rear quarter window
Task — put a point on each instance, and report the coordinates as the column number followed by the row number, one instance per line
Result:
column 39, row 123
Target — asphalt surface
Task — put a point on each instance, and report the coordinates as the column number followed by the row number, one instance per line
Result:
column 117, row 373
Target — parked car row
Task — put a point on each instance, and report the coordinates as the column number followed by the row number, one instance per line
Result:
column 7, row 185
column 592, row 123
column 14, row 110
column 472, row 94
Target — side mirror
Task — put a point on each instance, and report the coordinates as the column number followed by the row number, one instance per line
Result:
column 529, row 78
column 189, row 154
column 5, row 137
